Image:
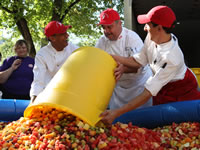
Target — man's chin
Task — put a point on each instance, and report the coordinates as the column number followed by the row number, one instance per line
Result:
column 111, row 38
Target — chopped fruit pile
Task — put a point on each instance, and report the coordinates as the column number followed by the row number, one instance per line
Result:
column 2, row 125
column 180, row 136
column 52, row 129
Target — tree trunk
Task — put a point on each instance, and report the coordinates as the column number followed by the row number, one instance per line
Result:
column 57, row 6
column 24, row 30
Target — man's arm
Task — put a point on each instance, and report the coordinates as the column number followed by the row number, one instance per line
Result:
column 39, row 71
column 122, row 66
column 130, row 70
column 109, row 116
column 129, row 62
column 136, row 102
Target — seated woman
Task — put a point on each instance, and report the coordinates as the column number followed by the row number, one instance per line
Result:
column 19, row 73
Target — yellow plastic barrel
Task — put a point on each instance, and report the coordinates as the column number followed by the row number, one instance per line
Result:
column 83, row 85
column 197, row 73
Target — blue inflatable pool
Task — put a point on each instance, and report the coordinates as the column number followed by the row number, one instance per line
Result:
column 11, row 109
column 187, row 111
column 165, row 114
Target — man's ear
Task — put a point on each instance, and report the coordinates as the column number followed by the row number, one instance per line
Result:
column 51, row 38
column 160, row 27
column 120, row 22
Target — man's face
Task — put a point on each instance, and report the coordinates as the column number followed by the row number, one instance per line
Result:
column 59, row 41
column 153, row 31
column 112, row 31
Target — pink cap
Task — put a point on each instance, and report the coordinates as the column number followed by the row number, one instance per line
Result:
column 161, row 15
column 55, row 27
column 108, row 16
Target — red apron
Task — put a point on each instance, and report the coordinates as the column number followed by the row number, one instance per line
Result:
column 181, row 90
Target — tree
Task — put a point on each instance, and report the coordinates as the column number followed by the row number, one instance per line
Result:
column 29, row 17
column 6, row 48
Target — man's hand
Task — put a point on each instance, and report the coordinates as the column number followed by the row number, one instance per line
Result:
column 16, row 64
column 108, row 116
column 33, row 98
column 119, row 70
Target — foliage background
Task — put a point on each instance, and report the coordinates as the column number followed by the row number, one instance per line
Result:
column 27, row 19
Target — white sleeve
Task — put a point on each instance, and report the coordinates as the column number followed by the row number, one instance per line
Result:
column 98, row 44
column 141, row 56
column 163, row 76
column 101, row 44
column 74, row 47
column 39, row 72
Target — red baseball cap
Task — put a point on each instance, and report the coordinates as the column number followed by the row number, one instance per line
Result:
column 55, row 27
column 161, row 15
column 108, row 16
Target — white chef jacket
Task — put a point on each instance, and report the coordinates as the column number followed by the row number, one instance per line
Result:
column 47, row 63
column 130, row 85
column 166, row 61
